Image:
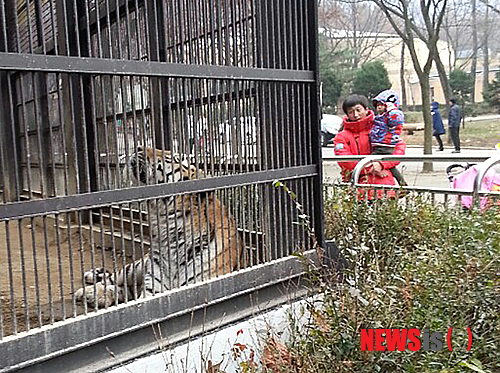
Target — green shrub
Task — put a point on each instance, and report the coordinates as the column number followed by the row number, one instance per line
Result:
column 476, row 109
column 492, row 93
column 414, row 117
column 411, row 265
column 371, row 79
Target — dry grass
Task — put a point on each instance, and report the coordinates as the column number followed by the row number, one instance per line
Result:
column 482, row 133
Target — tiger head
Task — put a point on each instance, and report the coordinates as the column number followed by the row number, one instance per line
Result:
column 98, row 275
column 150, row 166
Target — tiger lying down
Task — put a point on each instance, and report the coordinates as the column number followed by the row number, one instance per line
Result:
column 193, row 238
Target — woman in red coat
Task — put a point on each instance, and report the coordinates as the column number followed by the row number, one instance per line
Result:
column 354, row 139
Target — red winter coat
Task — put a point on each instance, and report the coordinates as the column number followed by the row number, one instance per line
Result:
column 354, row 139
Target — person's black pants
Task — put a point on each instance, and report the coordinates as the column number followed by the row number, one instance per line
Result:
column 455, row 136
column 440, row 142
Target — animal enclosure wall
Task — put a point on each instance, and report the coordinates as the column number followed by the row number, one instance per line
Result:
column 145, row 134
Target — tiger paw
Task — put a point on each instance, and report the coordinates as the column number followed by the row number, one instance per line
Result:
column 103, row 296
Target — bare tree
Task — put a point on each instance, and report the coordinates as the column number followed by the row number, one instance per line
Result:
column 404, row 21
column 404, row 99
column 456, row 28
column 490, row 6
column 486, row 54
column 457, row 32
column 353, row 26
column 471, row 28
column 473, row 68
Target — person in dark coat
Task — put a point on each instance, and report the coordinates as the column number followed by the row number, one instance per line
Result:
column 437, row 124
column 454, row 118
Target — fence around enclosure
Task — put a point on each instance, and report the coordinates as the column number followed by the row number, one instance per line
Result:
column 139, row 140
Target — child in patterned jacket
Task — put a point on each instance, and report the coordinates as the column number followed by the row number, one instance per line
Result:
column 386, row 132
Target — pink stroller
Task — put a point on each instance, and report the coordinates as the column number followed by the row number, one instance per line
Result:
column 462, row 177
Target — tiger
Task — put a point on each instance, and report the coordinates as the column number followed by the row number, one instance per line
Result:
column 194, row 237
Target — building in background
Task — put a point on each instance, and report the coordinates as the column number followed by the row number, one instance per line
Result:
column 387, row 48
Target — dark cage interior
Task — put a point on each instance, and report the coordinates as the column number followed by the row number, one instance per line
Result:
column 139, row 141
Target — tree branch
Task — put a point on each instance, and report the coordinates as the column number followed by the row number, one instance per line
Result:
column 485, row 2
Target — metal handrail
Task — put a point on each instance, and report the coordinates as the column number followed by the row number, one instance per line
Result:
column 415, row 158
column 489, row 162
column 419, row 189
column 409, row 158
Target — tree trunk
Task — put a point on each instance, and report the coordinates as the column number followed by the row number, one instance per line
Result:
column 486, row 57
column 355, row 35
column 443, row 78
column 426, row 105
column 473, row 67
column 404, row 100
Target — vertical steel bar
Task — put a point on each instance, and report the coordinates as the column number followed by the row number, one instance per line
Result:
column 302, row 35
column 296, row 32
column 81, row 255
column 208, row 218
column 126, row 172
column 26, row 134
column 23, row 274
column 42, row 79
column 141, row 233
column 11, row 279
column 71, row 264
column 4, row 47
column 113, row 244
column 123, row 253
column 219, row 32
column 277, row 18
column 211, row 127
column 235, row 45
column 38, row 117
column 62, row 131
column 41, row 96
column 30, row 32
column 205, row 32
column 242, row 38
column 47, row 263
column 314, row 140
column 130, row 222
column 257, row 17
column 103, row 243
column 211, row 9
column 287, row 34
column 35, row 272
column 225, row 28
column 39, row 26
column 86, row 94
column 310, row 32
column 284, row 203
column 59, row 265
column 295, row 158
column 15, row 151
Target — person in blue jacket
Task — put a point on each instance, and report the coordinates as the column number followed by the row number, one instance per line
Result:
column 437, row 125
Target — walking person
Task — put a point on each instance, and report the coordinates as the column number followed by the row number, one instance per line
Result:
column 454, row 118
column 437, row 125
